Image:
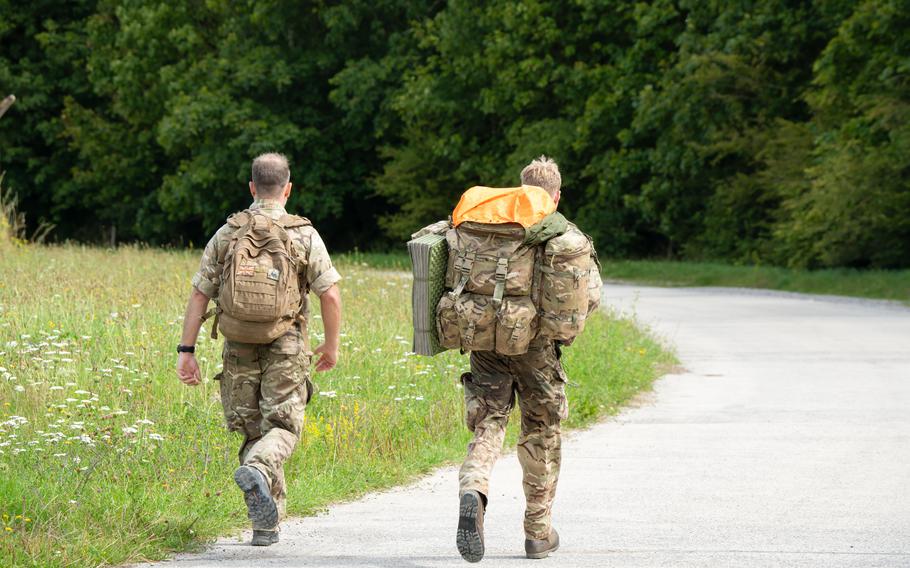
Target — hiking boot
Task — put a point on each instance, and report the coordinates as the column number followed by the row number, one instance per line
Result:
column 542, row 548
column 264, row 538
column 260, row 506
column 469, row 537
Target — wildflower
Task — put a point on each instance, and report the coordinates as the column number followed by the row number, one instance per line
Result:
column 156, row 437
column 328, row 394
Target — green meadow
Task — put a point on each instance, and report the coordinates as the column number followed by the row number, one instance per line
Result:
column 106, row 458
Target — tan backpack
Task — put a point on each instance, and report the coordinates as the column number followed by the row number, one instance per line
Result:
column 506, row 289
column 260, row 296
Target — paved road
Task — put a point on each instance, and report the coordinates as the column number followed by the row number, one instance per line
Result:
column 785, row 443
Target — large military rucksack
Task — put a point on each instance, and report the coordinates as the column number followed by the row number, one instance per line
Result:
column 260, row 297
column 508, row 287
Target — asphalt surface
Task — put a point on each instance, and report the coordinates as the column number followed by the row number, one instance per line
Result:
column 785, row 441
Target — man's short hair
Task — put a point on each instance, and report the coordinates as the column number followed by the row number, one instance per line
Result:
column 542, row 172
column 270, row 174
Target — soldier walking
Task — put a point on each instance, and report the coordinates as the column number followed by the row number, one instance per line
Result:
column 522, row 280
column 259, row 268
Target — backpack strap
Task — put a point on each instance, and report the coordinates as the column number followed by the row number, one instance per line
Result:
column 463, row 264
column 239, row 219
column 502, row 271
column 289, row 221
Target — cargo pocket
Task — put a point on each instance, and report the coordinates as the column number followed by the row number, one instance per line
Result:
column 226, row 389
column 447, row 323
column 515, row 325
column 476, row 322
column 562, row 381
column 475, row 409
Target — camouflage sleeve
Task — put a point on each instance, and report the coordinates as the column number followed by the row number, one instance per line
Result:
column 320, row 273
column 208, row 278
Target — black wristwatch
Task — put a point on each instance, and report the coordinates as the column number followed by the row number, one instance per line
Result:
column 186, row 349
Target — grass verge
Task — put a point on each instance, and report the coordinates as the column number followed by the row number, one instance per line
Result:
column 106, row 458
column 881, row 284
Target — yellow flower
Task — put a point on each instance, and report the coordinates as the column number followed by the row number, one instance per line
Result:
column 8, row 529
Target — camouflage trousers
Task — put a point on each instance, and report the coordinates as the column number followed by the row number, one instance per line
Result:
column 264, row 391
column 490, row 392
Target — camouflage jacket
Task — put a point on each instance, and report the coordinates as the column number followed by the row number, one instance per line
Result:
column 317, row 273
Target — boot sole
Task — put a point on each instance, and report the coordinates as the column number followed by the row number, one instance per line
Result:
column 260, row 506
column 265, row 541
column 539, row 555
column 468, row 537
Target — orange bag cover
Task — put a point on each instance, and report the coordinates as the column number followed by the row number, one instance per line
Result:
column 526, row 205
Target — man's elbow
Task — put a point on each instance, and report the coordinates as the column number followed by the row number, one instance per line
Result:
column 331, row 297
column 199, row 296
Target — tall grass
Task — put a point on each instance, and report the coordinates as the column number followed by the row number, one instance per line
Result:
column 106, row 458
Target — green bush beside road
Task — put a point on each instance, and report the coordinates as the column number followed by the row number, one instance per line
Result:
column 883, row 284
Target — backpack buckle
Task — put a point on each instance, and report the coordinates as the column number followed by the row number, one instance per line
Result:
column 465, row 262
column 502, row 271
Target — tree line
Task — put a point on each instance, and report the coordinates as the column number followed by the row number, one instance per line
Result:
column 774, row 132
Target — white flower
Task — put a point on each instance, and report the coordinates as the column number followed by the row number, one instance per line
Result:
column 328, row 394
column 156, row 437
column 145, row 421
column 19, row 388
column 129, row 430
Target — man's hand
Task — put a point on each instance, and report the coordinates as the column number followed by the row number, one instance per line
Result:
column 188, row 369
column 328, row 357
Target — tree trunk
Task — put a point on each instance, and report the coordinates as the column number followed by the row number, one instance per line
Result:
column 6, row 103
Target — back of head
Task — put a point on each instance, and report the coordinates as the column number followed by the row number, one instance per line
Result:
column 270, row 174
column 543, row 172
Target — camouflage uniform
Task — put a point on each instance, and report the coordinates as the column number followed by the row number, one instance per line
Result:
column 538, row 379
column 265, row 388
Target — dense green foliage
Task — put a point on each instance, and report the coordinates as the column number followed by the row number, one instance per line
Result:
column 765, row 132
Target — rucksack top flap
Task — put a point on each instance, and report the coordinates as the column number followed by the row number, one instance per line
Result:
column 504, row 229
